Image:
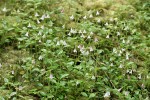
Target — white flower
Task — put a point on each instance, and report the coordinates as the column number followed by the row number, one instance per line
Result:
column 127, row 56
column 18, row 11
column 40, row 33
column 40, row 41
column 43, row 17
column 84, row 17
column 40, row 57
column 84, row 31
column 93, row 77
column 118, row 33
column 91, row 33
column 0, row 65
column 107, row 94
column 38, row 21
column 128, row 41
column 114, row 50
column 120, row 66
column 96, row 39
column 63, row 26
column 106, row 24
column 42, row 27
column 58, row 43
column 4, row 9
column 139, row 77
column 91, row 49
column 111, row 64
column 27, row 34
column 98, row 20
column 29, row 25
column 80, row 31
column 71, row 17
column 85, row 52
column 44, row 36
column 126, row 93
column 36, row 14
column 107, row 36
column 123, row 41
column 12, row 72
column 51, row 76
column 20, row 88
column 97, row 13
column 83, row 36
column 74, row 50
column 111, row 19
column 69, row 34
column 91, row 16
column 71, row 30
column 47, row 16
column 89, row 37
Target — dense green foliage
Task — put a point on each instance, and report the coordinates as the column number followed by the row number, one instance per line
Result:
column 74, row 50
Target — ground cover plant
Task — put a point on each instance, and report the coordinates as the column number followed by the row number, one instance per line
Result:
column 74, row 50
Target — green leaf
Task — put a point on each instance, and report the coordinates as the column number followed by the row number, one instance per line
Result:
column 13, row 93
column 92, row 95
column 84, row 94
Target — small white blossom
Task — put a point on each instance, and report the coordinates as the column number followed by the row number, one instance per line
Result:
column 36, row 14
column 85, row 52
column 42, row 27
column 38, row 21
column 82, row 36
column 20, row 88
column 12, row 72
column 118, row 33
column 84, row 17
column 71, row 17
column 127, row 56
column 96, row 39
column 111, row 19
column 69, row 34
column 91, row 49
column 74, row 50
column 40, row 33
column 29, row 25
column 93, row 77
column 63, row 26
column 84, row 31
column 120, row 66
column 89, row 37
column 47, row 16
column 40, row 57
column 27, row 34
column 58, row 43
column 123, row 41
column 4, row 9
column 107, row 36
column 80, row 31
column 44, row 36
column 139, row 76
column 51, row 76
column 126, row 93
column 107, row 94
column 71, row 30
column 40, row 41
column 43, row 17
column 106, row 24
column 91, row 16
column 0, row 65
column 114, row 50
column 97, row 13
column 91, row 33
column 98, row 20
